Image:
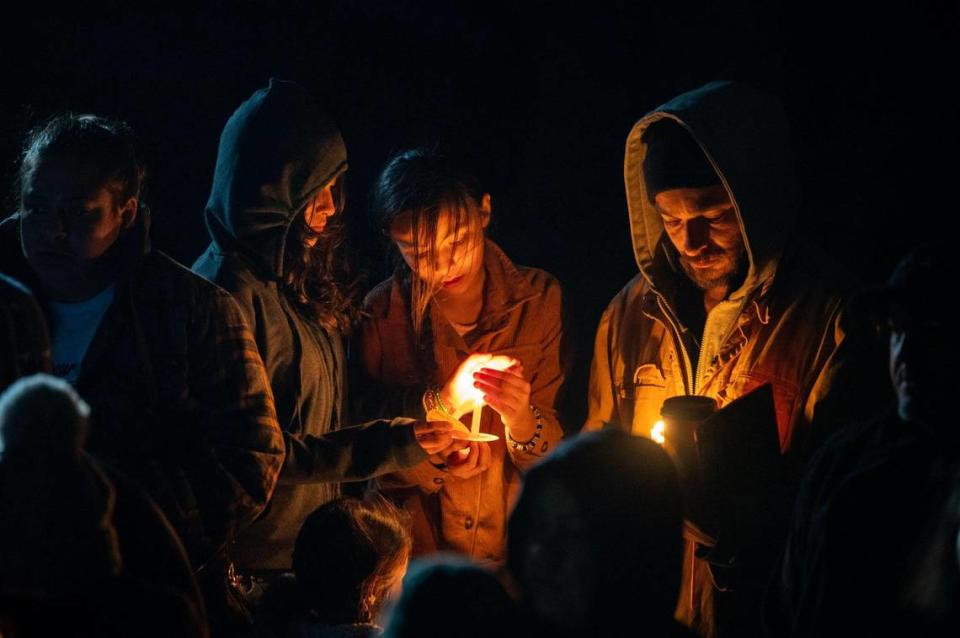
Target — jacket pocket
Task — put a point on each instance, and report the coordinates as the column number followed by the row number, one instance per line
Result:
column 648, row 375
column 642, row 395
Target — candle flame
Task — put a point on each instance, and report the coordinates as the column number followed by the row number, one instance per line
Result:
column 465, row 389
column 464, row 382
column 656, row 433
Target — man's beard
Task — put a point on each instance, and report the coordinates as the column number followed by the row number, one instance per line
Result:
column 711, row 278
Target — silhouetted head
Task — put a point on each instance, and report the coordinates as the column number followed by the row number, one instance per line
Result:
column 595, row 538
column 450, row 597
column 57, row 538
column 41, row 416
column 911, row 311
column 350, row 557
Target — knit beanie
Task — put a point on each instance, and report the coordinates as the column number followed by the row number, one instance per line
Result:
column 674, row 160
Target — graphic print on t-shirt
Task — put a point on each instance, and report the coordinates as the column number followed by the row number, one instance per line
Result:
column 74, row 325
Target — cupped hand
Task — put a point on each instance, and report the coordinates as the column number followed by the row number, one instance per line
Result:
column 469, row 461
column 507, row 392
column 459, row 394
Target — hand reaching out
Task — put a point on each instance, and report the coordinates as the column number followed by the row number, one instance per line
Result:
column 433, row 436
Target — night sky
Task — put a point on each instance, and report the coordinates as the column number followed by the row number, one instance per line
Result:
column 539, row 95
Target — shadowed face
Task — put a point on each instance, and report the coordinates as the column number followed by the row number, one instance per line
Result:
column 918, row 341
column 69, row 222
column 321, row 208
column 449, row 257
column 702, row 225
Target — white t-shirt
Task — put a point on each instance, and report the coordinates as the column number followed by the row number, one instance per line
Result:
column 74, row 325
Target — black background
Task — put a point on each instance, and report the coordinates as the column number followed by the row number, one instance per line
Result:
column 540, row 94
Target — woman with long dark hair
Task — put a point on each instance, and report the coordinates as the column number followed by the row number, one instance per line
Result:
column 274, row 216
column 455, row 306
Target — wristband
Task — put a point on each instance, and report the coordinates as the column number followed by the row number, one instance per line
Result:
column 531, row 445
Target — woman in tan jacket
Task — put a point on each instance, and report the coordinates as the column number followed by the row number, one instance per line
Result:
column 455, row 300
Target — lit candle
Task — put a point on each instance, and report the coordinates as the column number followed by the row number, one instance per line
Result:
column 465, row 389
column 475, row 421
column 656, row 433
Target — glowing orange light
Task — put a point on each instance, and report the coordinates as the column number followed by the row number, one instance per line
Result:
column 656, row 433
column 464, row 382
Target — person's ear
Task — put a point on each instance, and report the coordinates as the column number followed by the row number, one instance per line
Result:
column 485, row 209
column 128, row 214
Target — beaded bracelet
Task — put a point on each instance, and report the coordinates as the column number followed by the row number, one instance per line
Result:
column 530, row 445
column 432, row 401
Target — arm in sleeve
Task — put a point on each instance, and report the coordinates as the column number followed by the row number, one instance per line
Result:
column 850, row 385
column 352, row 454
column 424, row 477
column 600, row 393
column 370, row 397
column 348, row 454
column 242, row 446
column 545, row 382
column 842, row 389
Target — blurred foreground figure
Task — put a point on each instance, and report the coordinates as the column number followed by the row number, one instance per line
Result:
column 178, row 396
column 349, row 560
column 24, row 342
column 725, row 302
column 447, row 596
column 599, row 553
column 865, row 527
column 62, row 568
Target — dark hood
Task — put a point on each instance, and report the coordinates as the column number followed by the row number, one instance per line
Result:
column 276, row 151
column 744, row 134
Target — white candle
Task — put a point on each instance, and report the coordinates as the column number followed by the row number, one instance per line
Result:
column 475, row 422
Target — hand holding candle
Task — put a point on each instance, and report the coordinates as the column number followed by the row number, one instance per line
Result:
column 462, row 393
column 508, row 392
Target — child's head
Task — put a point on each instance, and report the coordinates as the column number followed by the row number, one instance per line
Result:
column 435, row 213
column 349, row 558
column 42, row 417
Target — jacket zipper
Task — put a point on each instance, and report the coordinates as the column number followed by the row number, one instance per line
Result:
column 688, row 377
column 701, row 362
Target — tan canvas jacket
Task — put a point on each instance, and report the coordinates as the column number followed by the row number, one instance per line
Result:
column 781, row 327
column 521, row 318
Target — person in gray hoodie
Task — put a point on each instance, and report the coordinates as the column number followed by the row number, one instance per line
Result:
column 273, row 218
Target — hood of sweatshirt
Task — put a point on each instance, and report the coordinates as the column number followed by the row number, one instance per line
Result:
column 276, row 151
column 744, row 134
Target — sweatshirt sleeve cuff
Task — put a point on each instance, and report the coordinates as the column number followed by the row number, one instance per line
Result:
column 407, row 451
